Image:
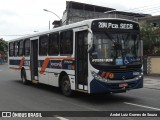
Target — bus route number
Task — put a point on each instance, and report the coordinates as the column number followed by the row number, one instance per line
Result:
column 103, row 25
column 110, row 25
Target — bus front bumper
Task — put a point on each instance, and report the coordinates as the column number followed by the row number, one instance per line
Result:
column 97, row 86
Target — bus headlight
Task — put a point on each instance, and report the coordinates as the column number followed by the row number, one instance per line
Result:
column 98, row 77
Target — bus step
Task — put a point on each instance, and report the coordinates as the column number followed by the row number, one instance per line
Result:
column 85, row 91
column 35, row 81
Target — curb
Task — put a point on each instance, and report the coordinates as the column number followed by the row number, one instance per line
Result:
column 152, row 88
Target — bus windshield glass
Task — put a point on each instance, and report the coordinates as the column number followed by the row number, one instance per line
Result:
column 115, row 48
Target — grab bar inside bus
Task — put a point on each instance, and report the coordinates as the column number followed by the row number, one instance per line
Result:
column 90, row 44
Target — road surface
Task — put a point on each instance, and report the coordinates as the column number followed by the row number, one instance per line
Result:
column 14, row 96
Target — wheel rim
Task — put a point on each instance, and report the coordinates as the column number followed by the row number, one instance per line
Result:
column 66, row 86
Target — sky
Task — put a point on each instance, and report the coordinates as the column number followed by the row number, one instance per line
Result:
column 25, row 17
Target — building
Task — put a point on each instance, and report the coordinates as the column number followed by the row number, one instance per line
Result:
column 76, row 12
column 151, row 60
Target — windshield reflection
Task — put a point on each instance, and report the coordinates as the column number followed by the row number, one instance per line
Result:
column 115, row 48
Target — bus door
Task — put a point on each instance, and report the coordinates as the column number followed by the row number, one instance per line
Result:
column 81, row 59
column 34, row 60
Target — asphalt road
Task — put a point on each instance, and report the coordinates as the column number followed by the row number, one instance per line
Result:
column 14, row 96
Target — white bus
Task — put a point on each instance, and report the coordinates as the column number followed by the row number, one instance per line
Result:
column 91, row 56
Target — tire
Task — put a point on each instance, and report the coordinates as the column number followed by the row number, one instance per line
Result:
column 66, row 86
column 23, row 77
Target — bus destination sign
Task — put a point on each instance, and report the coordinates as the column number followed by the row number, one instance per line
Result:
column 115, row 24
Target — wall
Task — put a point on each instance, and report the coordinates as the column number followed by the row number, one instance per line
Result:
column 153, row 65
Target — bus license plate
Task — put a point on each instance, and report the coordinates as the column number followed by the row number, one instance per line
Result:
column 123, row 85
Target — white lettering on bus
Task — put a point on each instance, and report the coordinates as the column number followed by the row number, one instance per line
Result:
column 56, row 64
column 27, row 63
column 110, row 25
column 115, row 26
column 126, row 26
column 103, row 25
column 102, row 60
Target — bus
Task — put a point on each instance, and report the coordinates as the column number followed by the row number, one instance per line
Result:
column 92, row 56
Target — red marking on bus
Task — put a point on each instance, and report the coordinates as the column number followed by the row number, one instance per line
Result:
column 107, row 74
column 103, row 74
column 45, row 64
column 21, row 63
column 46, row 61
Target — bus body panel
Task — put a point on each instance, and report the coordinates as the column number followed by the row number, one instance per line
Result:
column 50, row 67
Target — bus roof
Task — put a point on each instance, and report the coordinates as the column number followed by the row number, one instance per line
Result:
column 69, row 26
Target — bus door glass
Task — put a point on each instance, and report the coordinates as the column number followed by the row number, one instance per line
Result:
column 34, row 59
column 81, row 59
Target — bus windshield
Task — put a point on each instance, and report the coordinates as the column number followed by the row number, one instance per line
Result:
column 120, row 48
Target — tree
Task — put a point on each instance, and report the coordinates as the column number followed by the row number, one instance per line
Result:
column 151, row 39
column 3, row 46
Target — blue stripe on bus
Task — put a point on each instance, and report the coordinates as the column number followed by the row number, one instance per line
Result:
column 14, row 62
column 55, row 64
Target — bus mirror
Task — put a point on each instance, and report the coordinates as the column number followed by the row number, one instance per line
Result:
column 90, row 44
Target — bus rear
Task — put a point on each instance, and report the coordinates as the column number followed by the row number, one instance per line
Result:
column 115, row 58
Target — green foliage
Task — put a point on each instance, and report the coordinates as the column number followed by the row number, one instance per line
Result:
column 151, row 39
column 3, row 46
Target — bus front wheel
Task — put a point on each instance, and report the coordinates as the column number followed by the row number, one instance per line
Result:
column 66, row 86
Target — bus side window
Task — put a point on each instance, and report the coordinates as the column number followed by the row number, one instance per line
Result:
column 11, row 49
column 21, row 50
column 16, row 48
column 53, row 46
column 66, row 42
column 43, row 45
column 26, row 47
